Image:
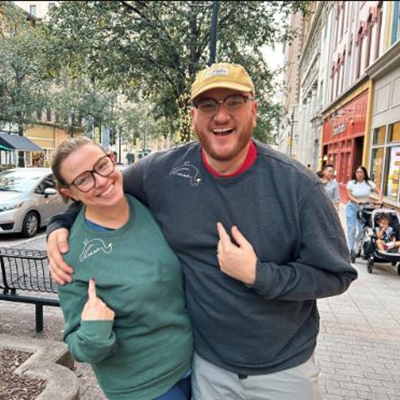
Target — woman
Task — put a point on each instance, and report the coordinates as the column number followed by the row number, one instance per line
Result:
column 330, row 184
column 359, row 189
column 124, row 310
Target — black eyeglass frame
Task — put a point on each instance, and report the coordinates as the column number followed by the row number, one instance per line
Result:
column 93, row 172
column 218, row 102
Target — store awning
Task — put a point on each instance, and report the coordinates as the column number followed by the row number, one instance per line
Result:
column 16, row 142
column 4, row 148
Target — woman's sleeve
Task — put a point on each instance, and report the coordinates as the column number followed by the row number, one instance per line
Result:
column 88, row 341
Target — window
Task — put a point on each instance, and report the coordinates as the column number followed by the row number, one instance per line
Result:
column 32, row 10
column 359, row 50
column 48, row 114
column 395, row 23
column 378, row 32
column 379, row 135
column 369, row 43
column 385, row 159
column 393, row 169
column 377, row 166
column 394, row 133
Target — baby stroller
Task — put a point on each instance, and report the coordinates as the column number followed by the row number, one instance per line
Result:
column 368, row 216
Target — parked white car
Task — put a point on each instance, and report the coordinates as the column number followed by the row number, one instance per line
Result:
column 28, row 199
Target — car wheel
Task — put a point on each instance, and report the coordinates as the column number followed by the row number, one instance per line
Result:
column 30, row 226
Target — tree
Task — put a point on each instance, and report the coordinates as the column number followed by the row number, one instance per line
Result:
column 23, row 72
column 155, row 48
column 80, row 106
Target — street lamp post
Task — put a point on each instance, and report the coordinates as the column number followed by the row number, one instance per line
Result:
column 213, row 37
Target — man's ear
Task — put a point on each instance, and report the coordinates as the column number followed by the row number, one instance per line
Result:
column 192, row 113
column 66, row 192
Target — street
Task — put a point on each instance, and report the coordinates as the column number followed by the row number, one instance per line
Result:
column 16, row 240
column 358, row 348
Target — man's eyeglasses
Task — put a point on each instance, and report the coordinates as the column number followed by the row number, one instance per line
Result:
column 86, row 181
column 232, row 103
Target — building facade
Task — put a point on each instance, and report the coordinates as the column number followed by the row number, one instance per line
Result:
column 349, row 101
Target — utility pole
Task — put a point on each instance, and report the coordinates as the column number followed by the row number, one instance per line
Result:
column 213, row 37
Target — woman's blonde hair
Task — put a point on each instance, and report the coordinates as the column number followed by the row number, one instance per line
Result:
column 64, row 149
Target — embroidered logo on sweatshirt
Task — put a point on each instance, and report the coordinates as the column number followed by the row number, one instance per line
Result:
column 93, row 246
column 187, row 171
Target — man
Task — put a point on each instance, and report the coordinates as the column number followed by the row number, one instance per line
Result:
column 259, row 242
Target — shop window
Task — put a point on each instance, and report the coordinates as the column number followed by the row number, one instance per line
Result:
column 392, row 176
column 394, row 132
column 379, row 135
column 377, row 166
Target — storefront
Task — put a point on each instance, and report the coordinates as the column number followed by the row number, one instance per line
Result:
column 343, row 138
column 18, row 150
column 385, row 142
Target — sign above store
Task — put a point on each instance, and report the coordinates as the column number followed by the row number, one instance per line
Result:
column 339, row 128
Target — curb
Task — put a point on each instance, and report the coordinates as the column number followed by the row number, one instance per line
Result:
column 50, row 361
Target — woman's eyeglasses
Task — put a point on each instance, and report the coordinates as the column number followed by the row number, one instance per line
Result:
column 86, row 181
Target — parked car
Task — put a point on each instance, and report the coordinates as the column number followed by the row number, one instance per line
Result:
column 28, row 199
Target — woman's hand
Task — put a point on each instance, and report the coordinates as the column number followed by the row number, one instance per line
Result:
column 95, row 309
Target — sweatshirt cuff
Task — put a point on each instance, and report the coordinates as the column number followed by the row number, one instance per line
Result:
column 262, row 283
column 96, row 331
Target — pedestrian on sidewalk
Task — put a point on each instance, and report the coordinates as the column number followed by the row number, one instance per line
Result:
column 359, row 189
column 259, row 240
column 330, row 184
column 125, row 310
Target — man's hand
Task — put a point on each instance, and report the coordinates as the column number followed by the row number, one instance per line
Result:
column 238, row 261
column 57, row 244
column 95, row 309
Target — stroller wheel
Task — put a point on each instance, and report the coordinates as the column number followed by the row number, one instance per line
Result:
column 398, row 269
column 370, row 265
column 353, row 255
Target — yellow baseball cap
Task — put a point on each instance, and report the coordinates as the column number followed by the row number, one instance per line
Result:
column 222, row 75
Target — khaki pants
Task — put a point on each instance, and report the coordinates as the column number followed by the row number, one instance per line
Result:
column 210, row 382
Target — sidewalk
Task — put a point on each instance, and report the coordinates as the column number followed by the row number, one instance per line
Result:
column 359, row 344
column 358, row 348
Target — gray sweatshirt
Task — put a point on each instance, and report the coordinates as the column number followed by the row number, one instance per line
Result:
column 283, row 211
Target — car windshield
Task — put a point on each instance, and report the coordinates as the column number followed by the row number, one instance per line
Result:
column 18, row 181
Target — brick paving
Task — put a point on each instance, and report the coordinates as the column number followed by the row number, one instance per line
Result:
column 358, row 347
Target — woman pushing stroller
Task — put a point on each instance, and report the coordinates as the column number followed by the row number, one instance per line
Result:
column 359, row 189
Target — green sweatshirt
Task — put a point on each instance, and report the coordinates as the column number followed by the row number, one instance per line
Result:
column 148, row 346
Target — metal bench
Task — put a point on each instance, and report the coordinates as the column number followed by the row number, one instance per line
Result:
column 25, row 278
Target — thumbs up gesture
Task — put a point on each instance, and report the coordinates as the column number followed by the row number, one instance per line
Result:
column 95, row 308
column 238, row 261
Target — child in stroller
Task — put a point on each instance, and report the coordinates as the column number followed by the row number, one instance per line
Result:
column 379, row 243
column 385, row 235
